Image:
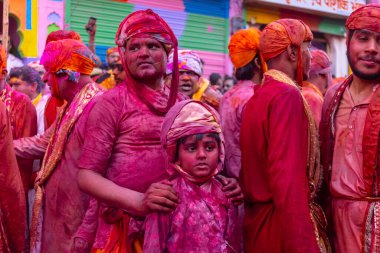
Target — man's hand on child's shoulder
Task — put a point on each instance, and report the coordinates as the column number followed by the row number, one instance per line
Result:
column 232, row 189
column 160, row 197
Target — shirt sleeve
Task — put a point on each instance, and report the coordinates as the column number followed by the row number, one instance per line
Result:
column 287, row 171
column 100, row 133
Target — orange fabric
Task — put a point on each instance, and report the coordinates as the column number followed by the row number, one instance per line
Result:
column 61, row 35
column 67, row 54
column 365, row 17
column 243, row 46
column 112, row 50
column 3, row 59
column 278, row 35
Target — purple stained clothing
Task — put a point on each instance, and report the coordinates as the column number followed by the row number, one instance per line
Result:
column 204, row 221
column 231, row 110
column 122, row 142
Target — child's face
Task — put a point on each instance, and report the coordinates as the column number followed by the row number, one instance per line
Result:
column 199, row 158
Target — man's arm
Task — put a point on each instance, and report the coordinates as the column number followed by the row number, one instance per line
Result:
column 33, row 147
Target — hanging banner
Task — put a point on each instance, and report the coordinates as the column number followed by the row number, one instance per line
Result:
column 338, row 7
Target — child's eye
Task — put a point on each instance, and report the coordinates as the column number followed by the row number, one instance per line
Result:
column 190, row 148
column 210, row 148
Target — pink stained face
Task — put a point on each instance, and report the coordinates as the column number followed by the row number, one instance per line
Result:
column 188, row 82
column 364, row 54
column 306, row 59
column 145, row 58
column 199, row 158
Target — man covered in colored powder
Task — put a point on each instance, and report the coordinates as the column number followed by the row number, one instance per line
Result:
column 122, row 162
column 349, row 133
column 68, row 64
column 244, row 53
column 191, row 82
column 316, row 85
column 22, row 115
column 280, row 173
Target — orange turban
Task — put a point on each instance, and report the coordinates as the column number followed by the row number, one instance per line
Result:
column 365, row 17
column 3, row 59
column 278, row 35
column 61, row 35
column 320, row 62
column 112, row 50
column 67, row 54
column 243, row 46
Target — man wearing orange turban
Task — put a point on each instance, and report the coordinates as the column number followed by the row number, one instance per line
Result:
column 244, row 53
column 68, row 64
column 349, row 133
column 107, row 80
column 280, row 172
column 319, row 79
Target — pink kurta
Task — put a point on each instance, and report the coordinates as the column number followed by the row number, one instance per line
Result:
column 64, row 204
column 122, row 142
column 347, row 180
column 231, row 110
column 204, row 221
column 314, row 100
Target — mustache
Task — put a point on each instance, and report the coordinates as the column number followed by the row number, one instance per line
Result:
column 370, row 58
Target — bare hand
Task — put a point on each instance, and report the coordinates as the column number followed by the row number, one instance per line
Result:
column 160, row 197
column 232, row 189
column 80, row 246
column 90, row 29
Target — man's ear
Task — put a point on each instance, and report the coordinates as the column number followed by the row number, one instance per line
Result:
column 256, row 61
column 292, row 53
column 34, row 86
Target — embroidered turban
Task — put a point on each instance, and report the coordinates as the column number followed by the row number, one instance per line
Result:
column 186, row 118
column 61, row 35
column 3, row 59
column 278, row 35
column 187, row 60
column 365, row 17
column 67, row 55
column 148, row 24
column 244, row 46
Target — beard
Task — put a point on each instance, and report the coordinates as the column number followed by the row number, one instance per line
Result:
column 358, row 73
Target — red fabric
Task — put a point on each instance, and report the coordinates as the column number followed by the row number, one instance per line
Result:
column 148, row 23
column 23, row 117
column 51, row 111
column 314, row 99
column 365, row 17
column 12, row 197
column 3, row 59
column 273, row 177
column 61, row 35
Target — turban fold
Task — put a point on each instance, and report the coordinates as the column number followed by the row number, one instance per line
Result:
column 146, row 23
column 3, row 59
column 243, row 46
column 67, row 54
column 278, row 35
column 111, row 50
column 320, row 62
column 187, row 60
column 365, row 17
column 187, row 118
column 61, row 35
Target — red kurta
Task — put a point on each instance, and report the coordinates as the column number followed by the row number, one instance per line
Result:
column 23, row 117
column 274, row 141
column 12, row 198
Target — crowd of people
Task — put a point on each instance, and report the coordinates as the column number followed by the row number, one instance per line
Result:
column 149, row 155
